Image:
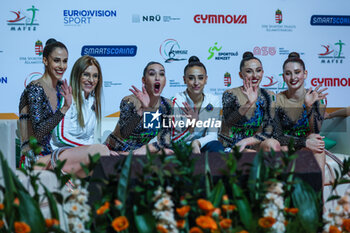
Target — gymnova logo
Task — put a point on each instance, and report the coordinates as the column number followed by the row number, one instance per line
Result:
column 80, row 17
column 109, row 50
column 330, row 20
column 153, row 120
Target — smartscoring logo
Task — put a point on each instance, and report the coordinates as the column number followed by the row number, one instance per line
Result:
column 330, row 20
column 109, row 50
column 217, row 19
column 23, row 20
column 153, row 120
column 332, row 54
column 171, row 51
column 79, row 17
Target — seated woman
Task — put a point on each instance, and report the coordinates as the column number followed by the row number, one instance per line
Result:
column 41, row 110
column 247, row 110
column 299, row 112
column 130, row 133
column 194, row 104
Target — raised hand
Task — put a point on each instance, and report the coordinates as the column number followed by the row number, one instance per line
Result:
column 67, row 94
column 250, row 91
column 142, row 96
column 191, row 113
column 314, row 95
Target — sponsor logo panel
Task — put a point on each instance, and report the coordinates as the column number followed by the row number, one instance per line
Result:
column 78, row 17
column 171, row 51
column 216, row 53
column 219, row 19
column 109, row 50
column 332, row 53
column 137, row 18
column 330, row 20
column 38, row 51
column 23, row 19
column 331, row 81
column 279, row 25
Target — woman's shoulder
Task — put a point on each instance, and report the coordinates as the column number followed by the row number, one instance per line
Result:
column 233, row 91
column 167, row 101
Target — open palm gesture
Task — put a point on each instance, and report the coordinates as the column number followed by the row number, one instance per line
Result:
column 250, row 91
column 142, row 96
column 191, row 113
column 66, row 93
column 312, row 96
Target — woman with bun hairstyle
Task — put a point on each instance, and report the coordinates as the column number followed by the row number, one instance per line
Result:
column 130, row 133
column 43, row 104
column 299, row 112
column 248, row 110
column 193, row 105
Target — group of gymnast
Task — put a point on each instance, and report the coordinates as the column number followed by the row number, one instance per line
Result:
column 63, row 117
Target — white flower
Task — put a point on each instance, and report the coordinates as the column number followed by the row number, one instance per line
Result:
column 270, row 212
column 164, row 202
column 81, row 198
column 338, row 220
column 169, row 189
column 279, row 203
column 279, row 227
column 338, row 209
column 276, row 188
column 271, row 196
column 326, row 227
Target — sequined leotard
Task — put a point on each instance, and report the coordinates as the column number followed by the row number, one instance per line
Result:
column 256, row 123
column 37, row 118
column 130, row 134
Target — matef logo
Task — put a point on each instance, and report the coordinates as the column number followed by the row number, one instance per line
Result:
column 171, row 51
column 23, row 21
column 278, row 16
column 220, row 19
column 332, row 54
column 330, row 20
column 227, row 79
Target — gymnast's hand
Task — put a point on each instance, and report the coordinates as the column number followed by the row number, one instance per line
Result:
column 250, row 91
column 191, row 113
column 314, row 95
column 67, row 95
column 196, row 147
column 142, row 96
column 315, row 143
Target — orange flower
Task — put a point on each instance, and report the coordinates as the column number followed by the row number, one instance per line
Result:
column 117, row 203
column 2, row 223
column 2, row 206
column 120, row 223
column 22, row 227
column 103, row 208
column 228, row 208
column 161, row 229
column 225, row 199
column 346, row 225
column 266, row 222
column 334, row 229
column 182, row 212
column 205, row 205
column 16, row 201
column 291, row 210
column 181, row 223
column 195, row 230
column 214, row 212
column 226, row 223
column 243, row 231
column 285, row 223
column 206, row 222
column 52, row 222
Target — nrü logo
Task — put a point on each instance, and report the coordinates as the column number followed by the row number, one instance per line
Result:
column 171, row 51
column 39, row 48
column 227, row 79
column 23, row 22
column 264, row 51
column 229, row 19
column 278, row 16
column 31, row 77
column 332, row 54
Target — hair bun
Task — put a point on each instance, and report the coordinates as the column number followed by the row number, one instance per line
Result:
column 247, row 55
column 50, row 41
column 293, row 55
column 193, row 59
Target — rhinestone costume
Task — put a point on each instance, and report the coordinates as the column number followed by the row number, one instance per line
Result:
column 129, row 134
column 256, row 123
column 292, row 120
column 37, row 117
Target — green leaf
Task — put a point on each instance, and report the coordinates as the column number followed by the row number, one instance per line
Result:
column 217, row 193
column 52, row 203
column 30, row 213
column 244, row 210
column 255, row 176
column 122, row 189
column 208, row 177
column 145, row 222
column 304, row 198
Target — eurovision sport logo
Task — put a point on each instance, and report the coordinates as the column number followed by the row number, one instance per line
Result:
column 136, row 18
column 23, row 20
column 171, row 51
column 38, row 51
column 279, row 25
column 217, row 53
column 3, row 80
column 332, row 53
column 330, row 20
column 84, row 16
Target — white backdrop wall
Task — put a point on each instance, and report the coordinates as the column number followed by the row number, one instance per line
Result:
column 218, row 32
